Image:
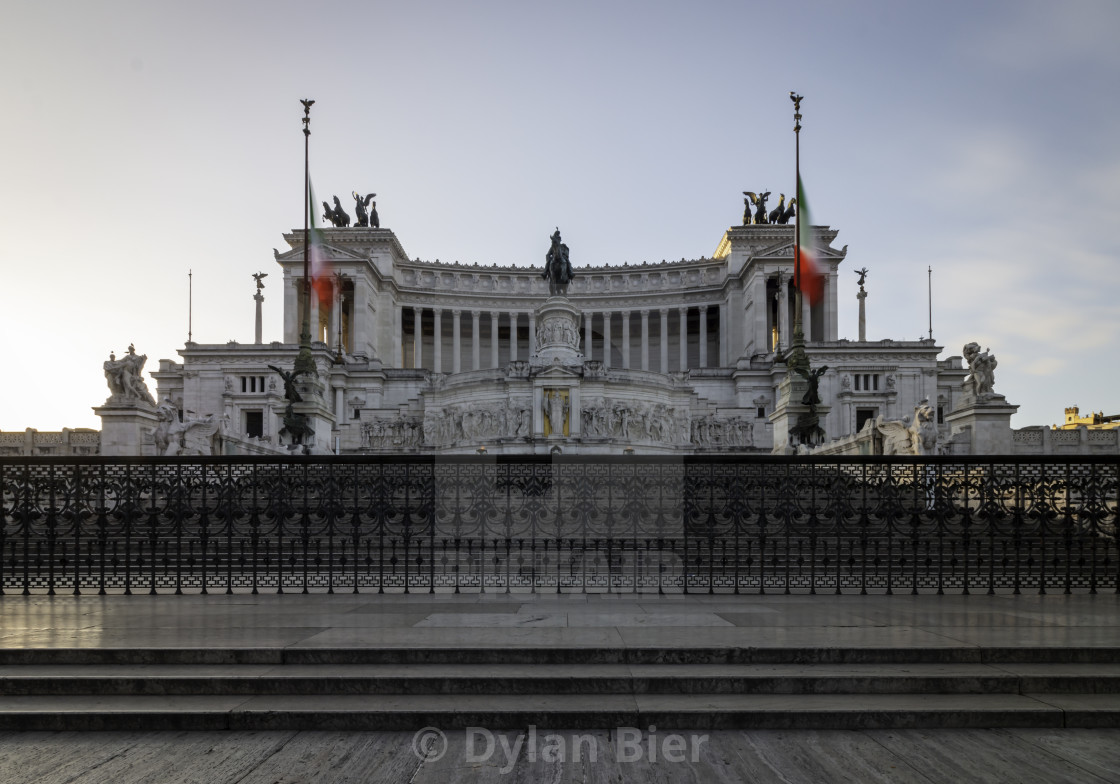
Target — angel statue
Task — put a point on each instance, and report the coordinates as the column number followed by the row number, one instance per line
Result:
column 291, row 394
column 812, row 395
column 862, row 275
column 360, row 204
column 759, row 201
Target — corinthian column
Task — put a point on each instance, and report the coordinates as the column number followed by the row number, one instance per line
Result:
column 607, row 339
column 437, row 339
column 456, row 342
column 476, row 340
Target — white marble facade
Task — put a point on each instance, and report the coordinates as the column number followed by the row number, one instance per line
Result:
column 662, row 358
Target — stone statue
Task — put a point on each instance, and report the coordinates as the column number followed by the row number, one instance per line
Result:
column 337, row 216
column 862, row 275
column 812, row 395
column 759, row 201
column 982, row 372
column 295, row 425
column 360, row 205
column 126, row 384
column 555, row 408
column 191, row 437
column 557, row 267
column 291, row 394
column 905, row 437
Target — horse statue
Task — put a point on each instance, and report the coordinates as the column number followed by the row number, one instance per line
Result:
column 557, row 267
column 336, row 215
column 776, row 213
column 789, row 212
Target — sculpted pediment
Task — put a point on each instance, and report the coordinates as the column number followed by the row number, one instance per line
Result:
column 558, row 372
column 784, row 250
column 330, row 253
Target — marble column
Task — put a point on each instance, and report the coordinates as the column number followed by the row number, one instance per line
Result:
column 806, row 318
column 513, row 336
column 587, row 353
column 417, row 338
column 258, row 324
column 830, row 323
column 291, row 306
column 784, row 337
column 684, row 339
column 664, row 340
column 626, row 339
column 724, row 359
column 437, row 340
column 759, row 336
column 316, row 332
column 456, row 342
column 607, row 339
column 493, row 338
column 532, row 333
column 398, row 330
column 476, row 340
column 703, row 336
column 862, row 296
column 645, row 340
column 336, row 314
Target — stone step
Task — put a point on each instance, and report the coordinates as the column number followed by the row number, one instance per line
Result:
column 560, row 679
column 453, row 712
column 544, row 654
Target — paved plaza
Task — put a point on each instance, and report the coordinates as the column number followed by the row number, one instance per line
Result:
column 1086, row 626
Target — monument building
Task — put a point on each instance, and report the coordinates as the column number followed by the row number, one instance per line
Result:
column 682, row 357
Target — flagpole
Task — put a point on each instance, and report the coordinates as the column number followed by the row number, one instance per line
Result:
column 190, row 305
column 304, row 363
column 797, row 359
column 929, row 289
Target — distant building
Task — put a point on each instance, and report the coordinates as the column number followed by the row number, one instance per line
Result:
column 1099, row 421
column 33, row 443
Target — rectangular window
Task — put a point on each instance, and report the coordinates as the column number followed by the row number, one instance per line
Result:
column 941, row 415
column 762, row 412
column 244, row 384
column 875, row 382
column 254, row 424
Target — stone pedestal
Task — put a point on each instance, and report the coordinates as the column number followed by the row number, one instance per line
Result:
column 790, row 412
column 558, row 335
column 319, row 416
column 988, row 423
column 126, row 429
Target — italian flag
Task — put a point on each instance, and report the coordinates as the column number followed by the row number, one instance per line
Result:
column 809, row 278
column 320, row 280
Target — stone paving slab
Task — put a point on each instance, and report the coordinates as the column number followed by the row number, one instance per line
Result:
column 1020, row 756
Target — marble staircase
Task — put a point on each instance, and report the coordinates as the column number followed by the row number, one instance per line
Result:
column 499, row 687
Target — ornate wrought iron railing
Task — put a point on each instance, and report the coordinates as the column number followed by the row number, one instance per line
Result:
column 751, row 525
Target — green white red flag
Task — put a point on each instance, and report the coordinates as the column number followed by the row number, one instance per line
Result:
column 809, row 278
column 320, row 278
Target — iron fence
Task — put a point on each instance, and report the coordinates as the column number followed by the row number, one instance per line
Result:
column 750, row 525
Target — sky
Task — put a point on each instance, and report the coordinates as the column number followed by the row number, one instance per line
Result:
column 143, row 141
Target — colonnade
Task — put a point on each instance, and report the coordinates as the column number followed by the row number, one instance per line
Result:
column 681, row 337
